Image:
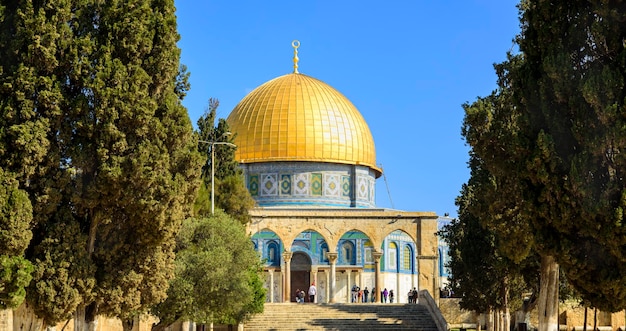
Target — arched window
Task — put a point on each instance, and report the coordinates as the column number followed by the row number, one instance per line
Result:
column 368, row 248
column 392, row 253
column 272, row 253
column 407, row 258
column 347, row 252
column 324, row 251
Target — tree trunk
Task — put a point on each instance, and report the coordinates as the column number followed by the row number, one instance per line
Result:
column 478, row 326
column 25, row 319
column 85, row 318
column 497, row 320
column 549, row 295
column 490, row 320
column 595, row 319
column 127, row 325
column 585, row 320
column 506, row 312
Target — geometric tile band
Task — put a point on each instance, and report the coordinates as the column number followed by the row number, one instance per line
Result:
column 269, row 185
column 332, row 188
column 301, row 184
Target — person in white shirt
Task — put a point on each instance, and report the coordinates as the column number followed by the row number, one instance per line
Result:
column 312, row 292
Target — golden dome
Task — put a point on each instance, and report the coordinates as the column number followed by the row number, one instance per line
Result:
column 299, row 118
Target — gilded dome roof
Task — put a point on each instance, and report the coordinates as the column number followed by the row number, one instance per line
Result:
column 299, row 118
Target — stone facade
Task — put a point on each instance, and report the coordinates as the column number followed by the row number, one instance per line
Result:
column 392, row 249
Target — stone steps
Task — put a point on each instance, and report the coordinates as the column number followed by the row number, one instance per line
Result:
column 344, row 317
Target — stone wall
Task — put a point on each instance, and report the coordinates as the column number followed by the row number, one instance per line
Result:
column 571, row 316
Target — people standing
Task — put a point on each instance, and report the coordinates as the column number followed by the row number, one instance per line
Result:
column 365, row 293
column 298, row 295
column 312, row 292
column 385, row 294
column 301, row 295
column 390, row 296
column 373, row 294
column 353, row 292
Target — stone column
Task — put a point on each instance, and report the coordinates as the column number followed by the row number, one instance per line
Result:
column 287, row 283
column 427, row 255
column 416, row 275
column 377, row 278
column 327, row 289
column 349, row 285
column 271, row 291
column 332, row 259
column 313, row 277
column 429, row 272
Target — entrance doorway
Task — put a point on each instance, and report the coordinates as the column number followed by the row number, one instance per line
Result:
column 300, row 274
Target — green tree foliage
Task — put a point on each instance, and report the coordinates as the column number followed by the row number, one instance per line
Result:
column 64, row 273
column 554, row 130
column 231, row 194
column 572, row 91
column 483, row 277
column 94, row 131
column 15, row 235
column 217, row 277
column 15, row 274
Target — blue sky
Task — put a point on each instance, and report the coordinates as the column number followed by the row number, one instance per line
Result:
column 407, row 65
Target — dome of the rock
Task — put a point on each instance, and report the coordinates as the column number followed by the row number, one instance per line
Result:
column 301, row 143
column 296, row 117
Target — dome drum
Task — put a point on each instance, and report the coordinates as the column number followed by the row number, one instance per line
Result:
column 311, row 184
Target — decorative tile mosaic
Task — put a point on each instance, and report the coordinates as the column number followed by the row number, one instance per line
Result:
column 331, row 185
column 269, row 185
column 285, row 184
column 316, row 184
column 301, row 186
column 293, row 184
column 345, row 186
column 363, row 188
column 253, row 185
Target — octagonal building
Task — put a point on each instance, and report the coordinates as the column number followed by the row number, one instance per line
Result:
column 309, row 162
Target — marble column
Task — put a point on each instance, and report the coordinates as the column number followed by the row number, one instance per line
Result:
column 332, row 259
column 327, row 289
column 377, row 277
column 271, row 294
column 287, row 284
column 349, row 285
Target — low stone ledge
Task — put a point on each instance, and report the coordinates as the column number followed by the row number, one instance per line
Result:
column 462, row 326
column 590, row 328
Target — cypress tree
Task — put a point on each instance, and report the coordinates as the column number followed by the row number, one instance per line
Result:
column 91, row 96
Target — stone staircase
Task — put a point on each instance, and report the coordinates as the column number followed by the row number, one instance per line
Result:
column 343, row 317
